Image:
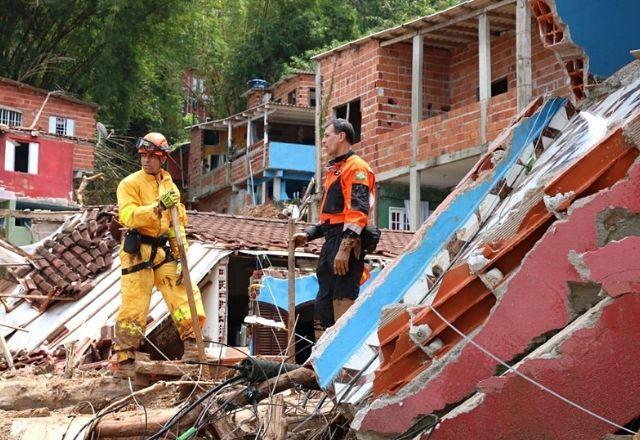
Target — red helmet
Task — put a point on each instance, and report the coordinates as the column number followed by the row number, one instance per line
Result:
column 153, row 143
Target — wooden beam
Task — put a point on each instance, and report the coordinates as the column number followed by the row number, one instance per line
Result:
column 484, row 73
column 524, row 81
column 458, row 19
column 38, row 215
column 305, row 377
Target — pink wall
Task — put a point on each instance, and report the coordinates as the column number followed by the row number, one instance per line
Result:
column 55, row 173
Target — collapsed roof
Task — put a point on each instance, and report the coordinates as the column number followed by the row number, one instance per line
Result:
column 528, row 245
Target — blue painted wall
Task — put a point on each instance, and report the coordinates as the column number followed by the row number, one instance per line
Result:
column 296, row 157
column 276, row 290
column 410, row 266
column 606, row 29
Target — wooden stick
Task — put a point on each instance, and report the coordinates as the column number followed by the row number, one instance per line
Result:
column 7, row 353
column 3, row 324
column 186, row 280
column 291, row 345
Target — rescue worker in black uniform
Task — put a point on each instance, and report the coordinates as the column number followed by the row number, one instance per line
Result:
column 346, row 203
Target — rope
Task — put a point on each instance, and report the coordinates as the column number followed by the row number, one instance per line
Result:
column 527, row 378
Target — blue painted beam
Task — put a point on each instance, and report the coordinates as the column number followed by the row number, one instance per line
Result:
column 406, row 271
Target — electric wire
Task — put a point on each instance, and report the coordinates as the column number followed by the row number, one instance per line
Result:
column 187, row 409
column 527, row 378
column 139, row 405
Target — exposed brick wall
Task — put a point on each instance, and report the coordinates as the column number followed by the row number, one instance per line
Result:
column 29, row 100
column 254, row 97
column 381, row 78
column 195, row 157
column 218, row 202
column 301, row 83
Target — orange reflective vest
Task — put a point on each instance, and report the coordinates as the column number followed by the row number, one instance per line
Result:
column 349, row 193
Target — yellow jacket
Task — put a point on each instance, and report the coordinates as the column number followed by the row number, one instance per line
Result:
column 138, row 195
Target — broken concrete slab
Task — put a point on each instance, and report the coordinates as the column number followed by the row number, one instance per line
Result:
column 536, row 302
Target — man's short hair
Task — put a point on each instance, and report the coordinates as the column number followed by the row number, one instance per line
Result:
column 343, row 126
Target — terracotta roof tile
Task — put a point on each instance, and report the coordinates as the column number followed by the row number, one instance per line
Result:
column 237, row 232
column 65, row 264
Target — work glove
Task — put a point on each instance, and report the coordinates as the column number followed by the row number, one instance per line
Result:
column 299, row 239
column 169, row 199
column 341, row 261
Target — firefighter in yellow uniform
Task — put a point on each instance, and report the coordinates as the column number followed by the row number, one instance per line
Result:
column 149, row 254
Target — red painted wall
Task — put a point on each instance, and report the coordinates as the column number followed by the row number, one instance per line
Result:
column 55, row 169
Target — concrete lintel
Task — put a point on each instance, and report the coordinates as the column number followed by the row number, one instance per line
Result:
column 442, row 159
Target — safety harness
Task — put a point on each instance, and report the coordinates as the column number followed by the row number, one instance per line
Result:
column 155, row 242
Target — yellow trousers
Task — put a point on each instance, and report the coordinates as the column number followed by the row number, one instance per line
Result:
column 136, row 296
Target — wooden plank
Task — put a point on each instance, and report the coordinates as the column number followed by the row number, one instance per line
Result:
column 6, row 352
column 146, row 367
column 38, row 215
column 484, row 64
column 524, row 82
column 458, row 19
column 275, row 420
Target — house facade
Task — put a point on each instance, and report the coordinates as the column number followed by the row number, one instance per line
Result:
column 426, row 97
column 265, row 153
column 46, row 139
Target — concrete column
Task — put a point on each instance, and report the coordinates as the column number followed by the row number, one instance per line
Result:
column 227, row 156
column 414, row 198
column 484, row 58
column 315, row 207
column 210, row 301
column 524, row 82
column 277, row 181
column 248, row 166
column 263, row 192
column 265, row 139
column 417, row 64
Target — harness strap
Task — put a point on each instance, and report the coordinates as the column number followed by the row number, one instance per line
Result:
column 149, row 264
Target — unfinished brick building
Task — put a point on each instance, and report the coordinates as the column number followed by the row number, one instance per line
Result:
column 427, row 96
column 47, row 139
column 277, row 127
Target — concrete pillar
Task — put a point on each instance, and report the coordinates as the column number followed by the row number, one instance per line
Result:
column 524, row 82
column 414, row 198
column 484, row 58
column 210, row 302
column 277, row 180
column 417, row 64
column 248, row 167
column 263, row 192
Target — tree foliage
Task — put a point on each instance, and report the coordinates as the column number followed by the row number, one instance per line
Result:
column 130, row 56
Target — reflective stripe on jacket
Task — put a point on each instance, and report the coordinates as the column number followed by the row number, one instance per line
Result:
column 348, row 192
column 138, row 195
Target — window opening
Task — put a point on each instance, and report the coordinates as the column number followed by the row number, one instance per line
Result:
column 398, row 219
column 312, row 96
column 12, row 118
column 351, row 112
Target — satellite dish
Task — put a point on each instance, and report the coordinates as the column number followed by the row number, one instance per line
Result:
column 102, row 131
